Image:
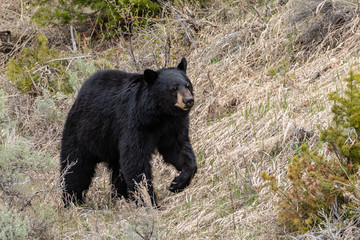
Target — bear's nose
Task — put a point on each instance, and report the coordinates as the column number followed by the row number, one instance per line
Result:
column 189, row 102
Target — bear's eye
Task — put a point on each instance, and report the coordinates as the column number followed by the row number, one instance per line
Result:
column 188, row 85
column 173, row 89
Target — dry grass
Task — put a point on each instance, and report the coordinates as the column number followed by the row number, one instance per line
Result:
column 258, row 76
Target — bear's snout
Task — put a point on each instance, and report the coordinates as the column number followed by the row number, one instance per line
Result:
column 189, row 102
column 185, row 99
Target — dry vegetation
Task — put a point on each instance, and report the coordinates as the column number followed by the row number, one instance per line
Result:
column 262, row 71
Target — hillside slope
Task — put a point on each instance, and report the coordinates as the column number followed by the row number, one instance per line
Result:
column 261, row 70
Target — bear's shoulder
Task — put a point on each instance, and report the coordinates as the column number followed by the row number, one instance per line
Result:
column 103, row 81
column 114, row 76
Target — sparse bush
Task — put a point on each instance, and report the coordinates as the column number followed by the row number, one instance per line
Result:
column 42, row 220
column 35, row 69
column 318, row 182
column 141, row 225
column 18, row 170
column 3, row 108
column 12, row 224
column 82, row 70
column 21, row 170
column 46, row 109
column 5, row 123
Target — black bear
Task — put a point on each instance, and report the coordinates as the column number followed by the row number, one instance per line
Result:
column 121, row 118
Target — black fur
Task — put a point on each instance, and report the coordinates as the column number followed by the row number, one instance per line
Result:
column 121, row 118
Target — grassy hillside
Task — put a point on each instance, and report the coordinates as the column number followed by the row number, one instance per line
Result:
column 261, row 70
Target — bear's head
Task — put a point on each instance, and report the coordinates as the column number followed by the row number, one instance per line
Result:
column 171, row 89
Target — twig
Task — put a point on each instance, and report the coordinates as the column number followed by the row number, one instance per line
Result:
column 185, row 21
column 73, row 38
column 142, row 236
column 20, row 44
column 9, row 96
column 336, row 153
column 130, row 48
column 167, row 47
column 2, row 78
column 155, row 58
column 46, row 68
column 67, row 58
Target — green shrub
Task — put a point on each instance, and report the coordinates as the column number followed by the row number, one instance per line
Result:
column 23, row 212
column 19, row 168
column 108, row 14
column 82, row 70
column 42, row 218
column 343, row 137
column 318, row 182
column 106, row 17
column 12, row 224
column 21, row 186
column 35, row 69
column 46, row 109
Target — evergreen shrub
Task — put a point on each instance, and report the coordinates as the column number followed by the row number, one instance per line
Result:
column 318, row 182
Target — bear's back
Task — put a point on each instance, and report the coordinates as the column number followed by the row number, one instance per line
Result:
column 107, row 79
column 103, row 94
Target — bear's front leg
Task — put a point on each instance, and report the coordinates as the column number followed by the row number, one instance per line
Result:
column 183, row 158
column 188, row 169
column 136, row 169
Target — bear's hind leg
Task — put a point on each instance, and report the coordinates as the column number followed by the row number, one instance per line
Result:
column 77, row 179
column 136, row 172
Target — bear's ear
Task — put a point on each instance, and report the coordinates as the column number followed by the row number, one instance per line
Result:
column 182, row 65
column 150, row 76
